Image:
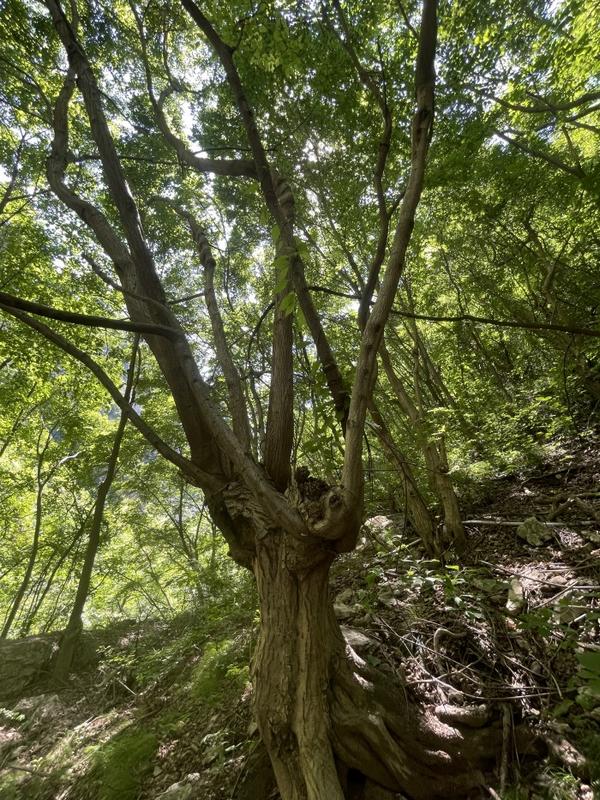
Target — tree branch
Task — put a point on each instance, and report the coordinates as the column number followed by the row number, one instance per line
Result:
column 188, row 468
column 366, row 369
column 371, row 85
column 10, row 301
column 237, row 401
column 500, row 323
column 277, row 193
column 532, row 151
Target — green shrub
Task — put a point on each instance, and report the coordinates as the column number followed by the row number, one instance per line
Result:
column 121, row 764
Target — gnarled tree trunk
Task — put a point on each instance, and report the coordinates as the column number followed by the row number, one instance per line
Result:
column 294, row 662
column 326, row 717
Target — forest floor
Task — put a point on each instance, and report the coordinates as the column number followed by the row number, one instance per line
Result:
column 166, row 711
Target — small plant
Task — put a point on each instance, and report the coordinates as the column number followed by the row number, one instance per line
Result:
column 222, row 665
column 588, row 695
column 11, row 717
column 121, row 765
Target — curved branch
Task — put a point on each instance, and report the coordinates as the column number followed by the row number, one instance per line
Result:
column 233, row 167
column 89, row 320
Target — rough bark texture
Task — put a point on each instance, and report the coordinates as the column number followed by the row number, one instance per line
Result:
column 293, row 664
column 326, row 717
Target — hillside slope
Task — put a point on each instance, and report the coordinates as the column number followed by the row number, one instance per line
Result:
column 510, row 636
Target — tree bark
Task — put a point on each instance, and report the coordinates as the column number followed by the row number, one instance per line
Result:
column 293, row 663
column 325, row 715
column 416, row 508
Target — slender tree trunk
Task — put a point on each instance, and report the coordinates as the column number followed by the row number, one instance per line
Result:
column 35, row 545
column 435, row 457
column 70, row 637
column 416, row 507
column 16, row 604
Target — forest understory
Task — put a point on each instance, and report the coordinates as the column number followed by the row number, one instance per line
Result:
column 509, row 637
column 269, row 269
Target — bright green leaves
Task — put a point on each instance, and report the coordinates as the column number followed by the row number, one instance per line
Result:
column 288, row 304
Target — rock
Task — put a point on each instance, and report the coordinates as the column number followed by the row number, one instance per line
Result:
column 40, row 709
column 22, row 662
column 534, row 532
column 345, row 597
column 184, row 789
column 456, row 697
column 177, row 791
column 379, row 523
column 356, row 639
column 342, row 611
column 558, row 580
column 515, row 601
column 387, row 598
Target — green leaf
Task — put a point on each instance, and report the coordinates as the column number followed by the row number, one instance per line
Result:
column 288, row 304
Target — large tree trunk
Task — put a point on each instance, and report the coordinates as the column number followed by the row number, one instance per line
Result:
column 298, row 646
column 326, row 717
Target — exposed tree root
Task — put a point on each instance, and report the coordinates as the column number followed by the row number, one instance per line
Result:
column 425, row 752
column 329, row 720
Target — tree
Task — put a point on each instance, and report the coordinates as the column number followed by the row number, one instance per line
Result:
column 71, row 634
column 321, row 712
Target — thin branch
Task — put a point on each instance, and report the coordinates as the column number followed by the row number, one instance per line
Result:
column 188, row 468
column 546, row 106
column 366, row 369
column 237, row 401
column 368, row 81
column 534, row 326
column 532, row 151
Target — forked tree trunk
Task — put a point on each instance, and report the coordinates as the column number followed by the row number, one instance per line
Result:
column 323, row 714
